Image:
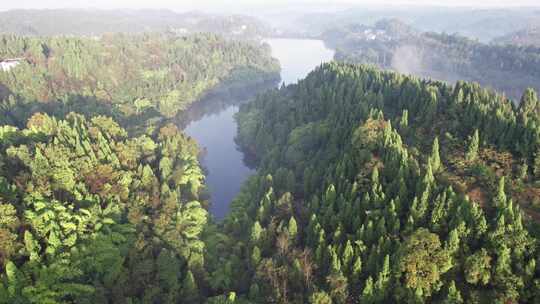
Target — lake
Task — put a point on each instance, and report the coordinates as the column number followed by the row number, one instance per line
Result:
column 216, row 129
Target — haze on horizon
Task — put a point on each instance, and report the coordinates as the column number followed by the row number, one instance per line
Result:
column 246, row 5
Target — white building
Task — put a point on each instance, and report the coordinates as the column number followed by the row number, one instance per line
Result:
column 8, row 64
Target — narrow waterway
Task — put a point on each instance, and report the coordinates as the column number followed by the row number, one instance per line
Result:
column 216, row 129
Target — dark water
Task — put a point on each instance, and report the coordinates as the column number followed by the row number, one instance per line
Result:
column 215, row 128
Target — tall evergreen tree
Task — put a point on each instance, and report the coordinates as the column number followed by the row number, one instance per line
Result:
column 472, row 149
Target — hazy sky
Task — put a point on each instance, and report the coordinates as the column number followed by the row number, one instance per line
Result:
column 235, row 4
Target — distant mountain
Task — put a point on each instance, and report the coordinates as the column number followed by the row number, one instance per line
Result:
column 350, row 36
column 481, row 24
column 96, row 22
column 526, row 37
column 395, row 45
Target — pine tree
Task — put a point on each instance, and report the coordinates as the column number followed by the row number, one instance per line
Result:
column 368, row 292
column 347, row 255
column 356, row 271
column 404, row 122
column 330, row 196
column 536, row 167
column 256, row 232
column 383, row 278
column 336, row 261
column 453, row 295
column 528, row 105
column 292, row 228
column 472, row 150
column 255, row 256
column 435, row 159
column 500, row 199
column 452, row 245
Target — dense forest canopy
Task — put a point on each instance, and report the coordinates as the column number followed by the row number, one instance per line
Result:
column 371, row 186
column 392, row 44
column 375, row 187
column 529, row 36
column 90, row 22
column 130, row 75
column 91, row 211
column 90, row 215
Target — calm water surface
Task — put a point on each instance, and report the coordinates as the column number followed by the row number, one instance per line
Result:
column 215, row 131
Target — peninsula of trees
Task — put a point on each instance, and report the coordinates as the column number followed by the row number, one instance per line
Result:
column 374, row 187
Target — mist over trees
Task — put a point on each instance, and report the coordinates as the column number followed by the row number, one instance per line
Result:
column 529, row 36
column 95, row 22
column 392, row 44
column 483, row 24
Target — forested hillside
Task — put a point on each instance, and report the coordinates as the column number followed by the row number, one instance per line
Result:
column 91, row 22
column 102, row 201
column 372, row 186
column 90, row 215
column 483, row 24
column 134, row 76
column 527, row 37
column 391, row 44
column 375, row 187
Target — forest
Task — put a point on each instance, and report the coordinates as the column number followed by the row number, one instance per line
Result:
column 529, row 36
column 372, row 186
column 478, row 23
column 131, row 77
column 392, row 44
column 95, row 22
column 91, row 215
column 102, row 198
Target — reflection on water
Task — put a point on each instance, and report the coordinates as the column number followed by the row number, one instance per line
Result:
column 218, row 101
column 211, row 121
column 298, row 57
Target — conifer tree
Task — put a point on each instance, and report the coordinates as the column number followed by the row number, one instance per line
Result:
column 453, row 295
column 536, row 167
column 472, row 149
column 368, row 292
column 435, row 159
column 292, row 228
column 404, row 122
column 500, row 199
column 256, row 232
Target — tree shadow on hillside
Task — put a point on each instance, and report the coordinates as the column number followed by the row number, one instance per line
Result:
column 15, row 110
